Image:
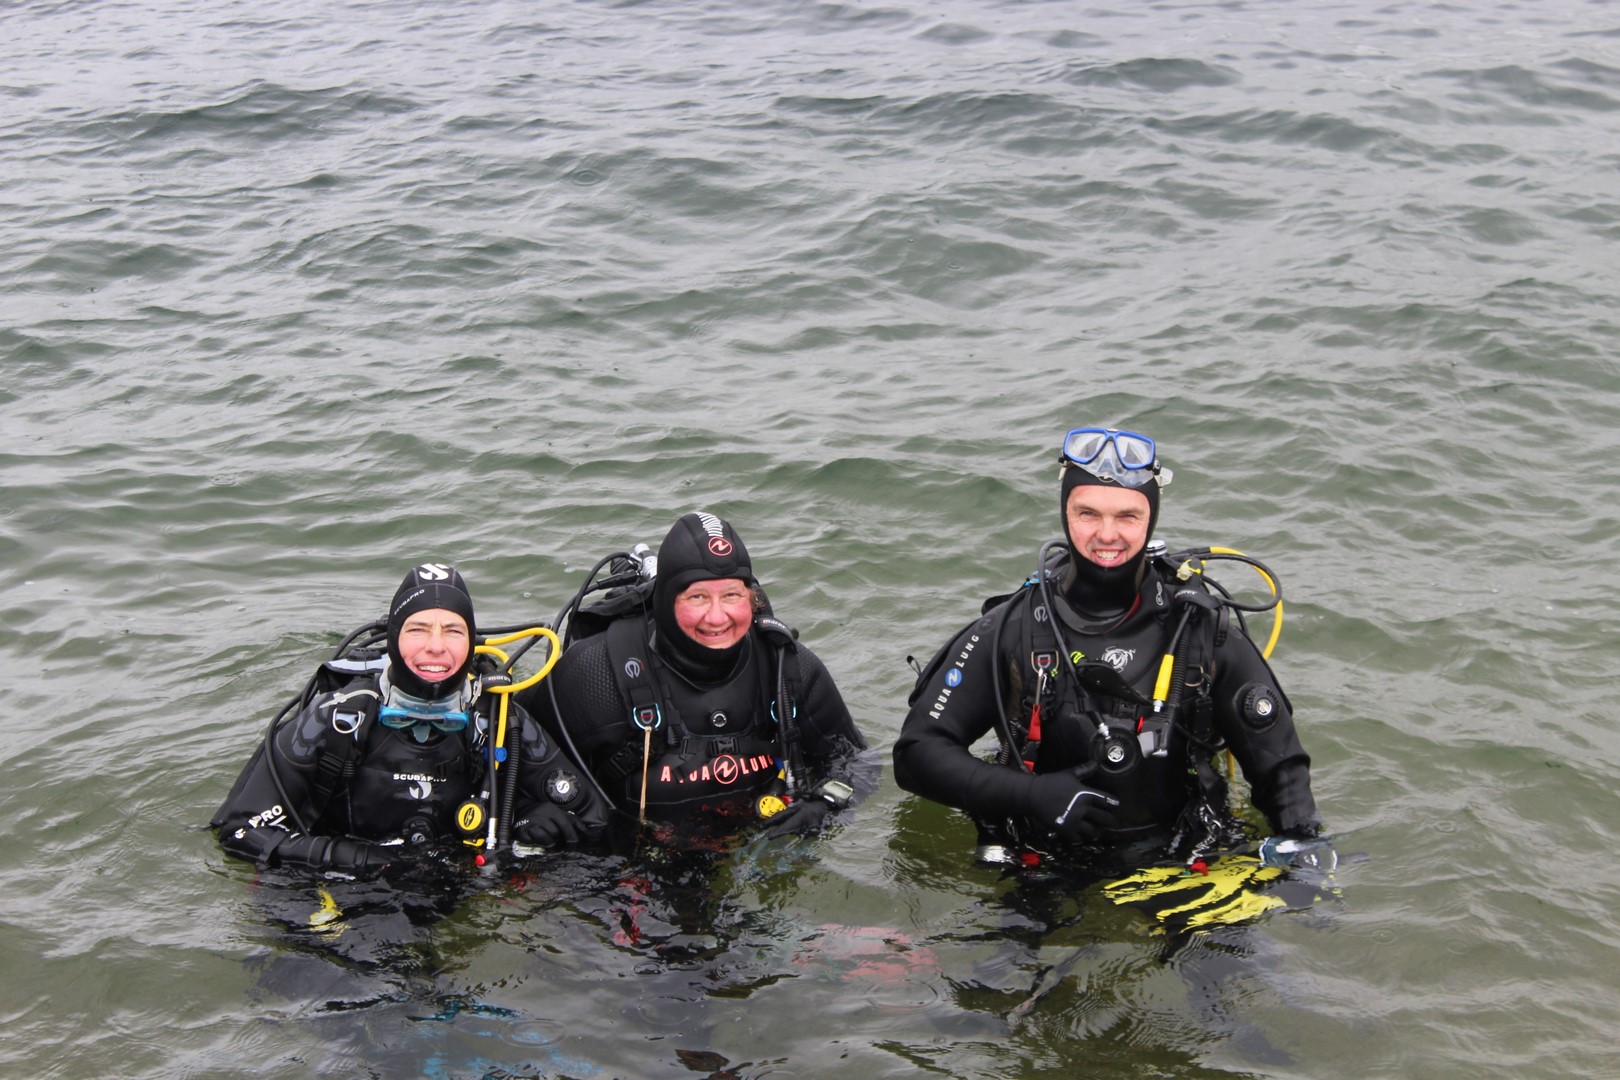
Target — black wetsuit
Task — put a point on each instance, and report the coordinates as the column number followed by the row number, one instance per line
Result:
column 401, row 792
column 716, row 749
column 954, row 705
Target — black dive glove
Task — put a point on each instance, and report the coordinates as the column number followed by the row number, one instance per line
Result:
column 325, row 853
column 546, row 825
column 354, row 855
column 802, row 816
column 1073, row 811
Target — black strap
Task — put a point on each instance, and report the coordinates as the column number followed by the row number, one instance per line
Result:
column 635, row 671
column 785, row 703
column 353, row 710
column 1045, row 658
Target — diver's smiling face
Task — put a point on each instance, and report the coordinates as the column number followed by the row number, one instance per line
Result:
column 1107, row 525
column 715, row 613
column 434, row 643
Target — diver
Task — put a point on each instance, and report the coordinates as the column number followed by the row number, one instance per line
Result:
column 1112, row 678
column 689, row 701
column 386, row 754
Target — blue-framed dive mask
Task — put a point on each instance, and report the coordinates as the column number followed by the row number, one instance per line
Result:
column 447, row 719
column 1121, row 457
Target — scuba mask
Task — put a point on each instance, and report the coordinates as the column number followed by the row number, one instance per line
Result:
column 404, row 711
column 447, row 719
column 1133, row 463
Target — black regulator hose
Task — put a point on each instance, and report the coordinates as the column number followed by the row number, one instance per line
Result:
column 509, row 784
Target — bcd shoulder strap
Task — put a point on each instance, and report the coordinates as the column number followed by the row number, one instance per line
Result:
column 632, row 660
column 351, row 710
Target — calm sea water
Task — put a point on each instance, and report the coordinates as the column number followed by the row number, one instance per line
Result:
column 297, row 296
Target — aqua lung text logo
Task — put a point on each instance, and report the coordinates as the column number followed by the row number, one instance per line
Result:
column 726, row 769
column 956, row 668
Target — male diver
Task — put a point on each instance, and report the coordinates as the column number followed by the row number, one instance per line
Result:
column 1112, row 678
column 691, row 703
column 388, row 755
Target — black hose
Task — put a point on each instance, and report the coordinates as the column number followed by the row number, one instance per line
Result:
column 1054, row 622
column 509, row 783
column 281, row 789
column 1178, row 668
column 1204, row 554
column 377, row 630
column 573, row 751
column 563, row 622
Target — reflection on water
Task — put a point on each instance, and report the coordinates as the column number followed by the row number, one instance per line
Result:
column 590, row 965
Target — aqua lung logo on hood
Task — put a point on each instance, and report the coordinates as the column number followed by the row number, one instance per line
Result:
column 719, row 546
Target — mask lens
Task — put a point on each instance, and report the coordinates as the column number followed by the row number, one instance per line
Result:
column 1084, row 444
column 399, row 719
column 1135, row 451
column 395, row 718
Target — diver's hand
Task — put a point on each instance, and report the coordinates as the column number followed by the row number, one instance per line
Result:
column 318, row 852
column 345, row 854
column 1315, row 853
column 803, row 816
column 546, row 825
column 1069, row 808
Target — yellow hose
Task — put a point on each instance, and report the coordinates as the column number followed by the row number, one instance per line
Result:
column 488, row 648
column 1277, row 616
